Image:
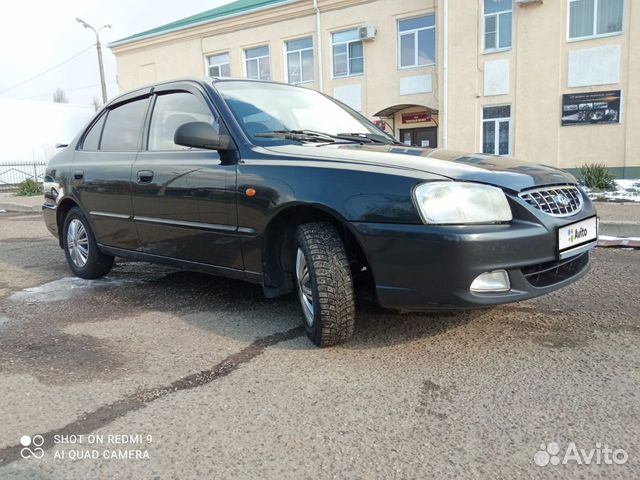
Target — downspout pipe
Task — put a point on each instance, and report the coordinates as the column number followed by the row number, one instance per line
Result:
column 445, row 74
column 319, row 45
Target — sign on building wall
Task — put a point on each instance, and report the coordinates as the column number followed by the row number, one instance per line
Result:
column 591, row 108
column 416, row 117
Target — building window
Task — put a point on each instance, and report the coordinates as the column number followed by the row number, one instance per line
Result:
column 592, row 18
column 348, row 54
column 300, row 60
column 497, row 24
column 417, row 42
column 257, row 63
column 219, row 65
column 496, row 130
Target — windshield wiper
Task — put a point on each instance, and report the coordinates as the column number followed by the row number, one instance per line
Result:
column 311, row 136
column 349, row 137
column 372, row 137
column 299, row 135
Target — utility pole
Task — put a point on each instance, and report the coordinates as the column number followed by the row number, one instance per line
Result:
column 99, row 48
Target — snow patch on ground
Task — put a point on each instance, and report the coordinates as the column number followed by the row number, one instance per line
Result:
column 65, row 288
column 627, row 191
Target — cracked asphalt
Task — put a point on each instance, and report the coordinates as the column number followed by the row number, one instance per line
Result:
column 161, row 374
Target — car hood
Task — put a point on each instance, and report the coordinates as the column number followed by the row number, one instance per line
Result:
column 505, row 172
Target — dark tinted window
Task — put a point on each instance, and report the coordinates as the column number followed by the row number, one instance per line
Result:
column 123, row 130
column 92, row 138
column 172, row 110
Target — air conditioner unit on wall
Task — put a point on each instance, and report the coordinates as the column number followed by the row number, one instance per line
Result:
column 367, row 33
column 527, row 2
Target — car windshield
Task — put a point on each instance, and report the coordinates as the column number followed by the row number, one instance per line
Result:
column 268, row 111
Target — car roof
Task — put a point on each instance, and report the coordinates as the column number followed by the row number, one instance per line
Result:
column 204, row 81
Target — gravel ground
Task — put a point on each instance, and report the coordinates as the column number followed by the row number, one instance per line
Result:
column 208, row 379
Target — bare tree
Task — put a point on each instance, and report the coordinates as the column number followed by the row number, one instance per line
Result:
column 96, row 103
column 59, row 96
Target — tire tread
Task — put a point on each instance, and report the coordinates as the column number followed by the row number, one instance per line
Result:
column 335, row 313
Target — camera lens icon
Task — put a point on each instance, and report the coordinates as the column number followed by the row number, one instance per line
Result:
column 31, row 446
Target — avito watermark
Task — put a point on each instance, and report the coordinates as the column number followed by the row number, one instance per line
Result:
column 602, row 454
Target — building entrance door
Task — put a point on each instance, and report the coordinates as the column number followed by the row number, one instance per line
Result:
column 420, row 137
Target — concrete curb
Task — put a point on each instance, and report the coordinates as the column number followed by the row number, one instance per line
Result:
column 19, row 207
column 618, row 243
column 620, row 228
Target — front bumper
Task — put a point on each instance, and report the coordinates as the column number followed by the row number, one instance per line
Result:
column 424, row 267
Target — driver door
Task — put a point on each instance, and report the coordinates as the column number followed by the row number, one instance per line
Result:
column 184, row 199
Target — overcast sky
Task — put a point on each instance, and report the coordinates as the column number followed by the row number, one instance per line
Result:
column 36, row 35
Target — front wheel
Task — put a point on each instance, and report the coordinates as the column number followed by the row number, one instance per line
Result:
column 324, row 284
column 81, row 249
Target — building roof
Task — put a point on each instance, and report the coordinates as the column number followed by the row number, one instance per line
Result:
column 238, row 7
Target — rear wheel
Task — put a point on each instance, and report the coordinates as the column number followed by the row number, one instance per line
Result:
column 81, row 249
column 324, row 284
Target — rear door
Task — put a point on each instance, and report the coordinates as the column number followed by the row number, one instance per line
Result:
column 184, row 199
column 102, row 171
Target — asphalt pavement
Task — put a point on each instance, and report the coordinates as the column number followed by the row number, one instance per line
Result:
column 157, row 373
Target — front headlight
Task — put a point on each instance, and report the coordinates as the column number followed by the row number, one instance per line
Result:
column 461, row 202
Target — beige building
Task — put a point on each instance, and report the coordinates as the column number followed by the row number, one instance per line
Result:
column 553, row 81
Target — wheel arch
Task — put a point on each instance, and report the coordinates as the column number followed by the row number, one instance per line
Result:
column 61, row 212
column 278, row 244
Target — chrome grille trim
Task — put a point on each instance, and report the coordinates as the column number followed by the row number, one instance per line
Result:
column 546, row 199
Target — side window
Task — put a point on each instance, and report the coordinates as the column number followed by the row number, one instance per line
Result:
column 172, row 110
column 123, row 130
column 92, row 138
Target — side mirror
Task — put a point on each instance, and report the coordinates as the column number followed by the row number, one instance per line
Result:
column 201, row 135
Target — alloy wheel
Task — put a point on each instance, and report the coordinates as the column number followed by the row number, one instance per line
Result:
column 305, row 293
column 78, row 243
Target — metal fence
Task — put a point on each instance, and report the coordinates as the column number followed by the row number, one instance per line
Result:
column 13, row 173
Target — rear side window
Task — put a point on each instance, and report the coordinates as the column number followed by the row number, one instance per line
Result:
column 123, row 131
column 171, row 111
column 92, row 138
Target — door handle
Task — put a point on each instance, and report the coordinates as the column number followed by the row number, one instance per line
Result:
column 78, row 174
column 145, row 176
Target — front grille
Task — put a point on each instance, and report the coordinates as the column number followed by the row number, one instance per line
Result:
column 550, row 273
column 558, row 201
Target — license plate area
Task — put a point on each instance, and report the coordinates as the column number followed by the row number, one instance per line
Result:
column 577, row 237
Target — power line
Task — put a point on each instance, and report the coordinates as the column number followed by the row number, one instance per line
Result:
column 47, row 70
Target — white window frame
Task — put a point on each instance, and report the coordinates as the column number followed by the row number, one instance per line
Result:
column 257, row 59
column 347, row 43
column 207, row 67
column 484, row 32
column 496, row 132
column 415, row 33
column 299, row 52
column 595, row 23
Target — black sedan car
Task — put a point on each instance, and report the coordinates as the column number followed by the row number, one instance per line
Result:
column 285, row 187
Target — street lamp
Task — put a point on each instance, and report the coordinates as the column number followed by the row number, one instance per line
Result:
column 99, row 48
